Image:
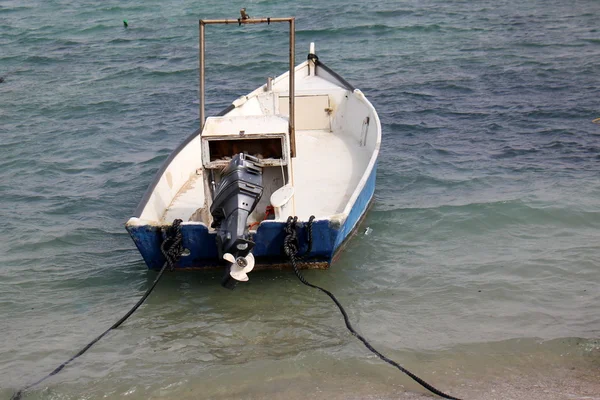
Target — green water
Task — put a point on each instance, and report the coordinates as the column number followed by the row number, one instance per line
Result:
column 480, row 271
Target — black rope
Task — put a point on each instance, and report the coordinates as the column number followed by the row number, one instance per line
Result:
column 171, row 248
column 290, row 246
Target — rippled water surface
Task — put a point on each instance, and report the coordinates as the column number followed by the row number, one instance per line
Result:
column 481, row 268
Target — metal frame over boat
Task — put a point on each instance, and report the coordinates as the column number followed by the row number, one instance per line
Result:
column 256, row 163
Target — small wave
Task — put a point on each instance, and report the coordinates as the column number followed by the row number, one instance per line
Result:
column 64, row 240
column 394, row 13
column 457, row 88
column 511, row 152
column 439, row 150
column 145, row 40
column 412, row 128
column 485, row 50
column 96, row 28
column 418, row 95
column 156, row 160
column 557, row 132
column 566, row 113
column 557, row 144
column 43, row 60
column 128, row 8
column 542, row 45
column 351, row 30
column 427, row 180
column 138, row 71
column 494, row 127
column 13, row 9
column 422, row 28
column 499, row 213
column 592, row 149
column 107, row 166
column 176, row 72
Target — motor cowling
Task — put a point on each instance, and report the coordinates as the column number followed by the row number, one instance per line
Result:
column 234, row 199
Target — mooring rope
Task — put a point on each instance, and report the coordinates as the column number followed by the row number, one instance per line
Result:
column 290, row 246
column 171, row 248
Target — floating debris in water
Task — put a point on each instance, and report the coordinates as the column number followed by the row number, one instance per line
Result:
column 368, row 231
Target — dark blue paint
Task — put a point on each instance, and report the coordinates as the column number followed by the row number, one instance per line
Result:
column 358, row 209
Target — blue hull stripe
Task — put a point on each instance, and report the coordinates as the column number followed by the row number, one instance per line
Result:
column 327, row 237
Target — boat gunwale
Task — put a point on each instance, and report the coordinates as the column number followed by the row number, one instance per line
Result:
column 345, row 83
column 374, row 155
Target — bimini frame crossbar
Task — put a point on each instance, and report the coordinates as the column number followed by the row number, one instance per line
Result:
column 241, row 21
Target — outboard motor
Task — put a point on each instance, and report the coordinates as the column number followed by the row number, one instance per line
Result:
column 234, row 199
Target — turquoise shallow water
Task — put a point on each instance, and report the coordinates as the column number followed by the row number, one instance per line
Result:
column 481, row 270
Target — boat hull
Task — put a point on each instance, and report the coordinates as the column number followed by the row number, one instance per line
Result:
column 328, row 237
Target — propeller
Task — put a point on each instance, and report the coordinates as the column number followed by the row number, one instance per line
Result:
column 240, row 266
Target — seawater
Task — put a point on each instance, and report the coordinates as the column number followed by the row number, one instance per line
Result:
column 481, row 268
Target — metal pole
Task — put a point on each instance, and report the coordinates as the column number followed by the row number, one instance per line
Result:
column 292, row 88
column 292, row 93
column 246, row 21
column 201, row 75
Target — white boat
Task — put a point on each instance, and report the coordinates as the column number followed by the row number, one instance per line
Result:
column 236, row 180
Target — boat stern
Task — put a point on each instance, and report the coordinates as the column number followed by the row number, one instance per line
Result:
column 201, row 252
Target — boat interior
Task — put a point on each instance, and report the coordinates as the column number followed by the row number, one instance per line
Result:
column 318, row 171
